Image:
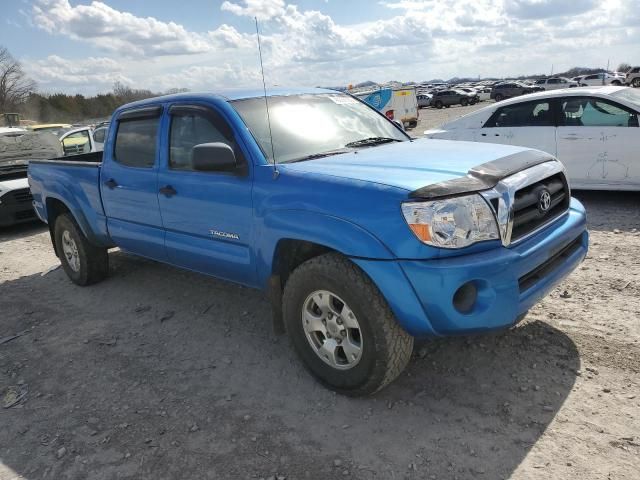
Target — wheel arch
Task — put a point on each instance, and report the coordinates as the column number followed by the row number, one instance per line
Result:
column 56, row 207
column 292, row 237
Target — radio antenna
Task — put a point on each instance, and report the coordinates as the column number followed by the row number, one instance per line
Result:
column 266, row 102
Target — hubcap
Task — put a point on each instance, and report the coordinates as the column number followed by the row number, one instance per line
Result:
column 332, row 330
column 70, row 250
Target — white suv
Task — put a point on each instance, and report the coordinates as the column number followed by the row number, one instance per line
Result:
column 633, row 77
column 555, row 83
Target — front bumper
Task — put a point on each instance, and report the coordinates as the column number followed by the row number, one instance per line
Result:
column 14, row 213
column 508, row 281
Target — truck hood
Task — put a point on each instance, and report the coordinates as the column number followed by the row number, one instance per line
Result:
column 407, row 165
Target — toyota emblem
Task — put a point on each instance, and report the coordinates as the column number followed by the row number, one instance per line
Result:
column 544, row 201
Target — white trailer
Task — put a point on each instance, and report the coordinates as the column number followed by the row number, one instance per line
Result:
column 397, row 103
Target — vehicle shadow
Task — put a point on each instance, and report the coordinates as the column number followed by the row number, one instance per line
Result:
column 610, row 210
column 21, row 230
column 159, row 373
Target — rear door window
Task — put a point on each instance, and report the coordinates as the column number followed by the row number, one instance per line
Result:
column 136, row 142
column 595, row 112
column 526, row 114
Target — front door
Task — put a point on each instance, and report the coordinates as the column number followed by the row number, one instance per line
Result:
column 526, row 124
column 207, row 215
column 595, row 142
column 129, row 184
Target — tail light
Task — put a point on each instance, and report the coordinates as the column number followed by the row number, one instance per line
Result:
column 389, row 114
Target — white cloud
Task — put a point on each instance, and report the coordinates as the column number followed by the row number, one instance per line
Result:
column 56, row 72
column 126, row 34
column 263, row 9
column 417, row 40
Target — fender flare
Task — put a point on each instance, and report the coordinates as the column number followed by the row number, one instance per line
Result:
column 329, row 231
column 74, row 208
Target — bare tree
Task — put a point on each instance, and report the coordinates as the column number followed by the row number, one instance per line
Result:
column 623, row 67
column 15, row 86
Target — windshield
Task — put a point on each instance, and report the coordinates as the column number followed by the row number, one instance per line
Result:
column 629, row 94
column 310, row 125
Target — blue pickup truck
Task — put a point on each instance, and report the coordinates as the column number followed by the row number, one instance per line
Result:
column 363, row 237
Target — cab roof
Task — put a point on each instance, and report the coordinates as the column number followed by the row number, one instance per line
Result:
column 229, row 95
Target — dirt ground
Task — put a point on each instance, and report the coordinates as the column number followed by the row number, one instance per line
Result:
column 159, row 373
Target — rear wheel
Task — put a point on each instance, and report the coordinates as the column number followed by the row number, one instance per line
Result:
column 636, row 82
column 83, row 262
column 438, row 104
column 342, row 328
column 499, row 97
column 464, row 102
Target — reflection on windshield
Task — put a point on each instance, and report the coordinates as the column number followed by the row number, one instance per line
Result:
column 309, row 125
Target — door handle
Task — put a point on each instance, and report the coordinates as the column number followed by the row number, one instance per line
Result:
column 111, row 183
column 168, row 191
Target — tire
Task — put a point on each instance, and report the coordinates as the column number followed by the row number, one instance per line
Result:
column 464, row 102
column 499, row 97
column 384, row 347
column 636, row 82
column 438, row 104
column 616, row 83
column 447, row 106
column 83, row 262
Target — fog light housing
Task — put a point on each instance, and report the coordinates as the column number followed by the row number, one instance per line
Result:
column 464, row 300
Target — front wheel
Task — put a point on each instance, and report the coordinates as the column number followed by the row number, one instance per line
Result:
column 83, row 262
column 342, row 328
column 464, row 102
column 438, row 104
column 499, row 97
column 636, row 82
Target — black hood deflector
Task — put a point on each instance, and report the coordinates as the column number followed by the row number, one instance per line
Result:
column 484, row 176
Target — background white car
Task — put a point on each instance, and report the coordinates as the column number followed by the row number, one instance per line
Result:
column 593, row 131
column 599, row 79
column 555, row 83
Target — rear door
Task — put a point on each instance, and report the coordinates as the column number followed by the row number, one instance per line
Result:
column 526, row 124
column 208, row 215
column 129, row 183
column 597, row 142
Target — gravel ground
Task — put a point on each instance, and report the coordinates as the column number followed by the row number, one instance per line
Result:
column 432, row 117
column 159, row 373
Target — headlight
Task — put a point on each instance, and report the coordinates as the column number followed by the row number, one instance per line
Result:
column 451, row 222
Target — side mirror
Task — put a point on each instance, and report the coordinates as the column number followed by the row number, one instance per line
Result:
column 213, row 157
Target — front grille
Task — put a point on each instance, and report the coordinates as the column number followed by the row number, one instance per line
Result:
column 528, row 214
column 534, row 276
column 22, row 195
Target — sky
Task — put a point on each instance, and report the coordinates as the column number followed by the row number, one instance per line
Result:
column 83, row 46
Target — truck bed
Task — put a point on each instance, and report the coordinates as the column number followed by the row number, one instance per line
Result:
column 92, row 157
column 74, row 181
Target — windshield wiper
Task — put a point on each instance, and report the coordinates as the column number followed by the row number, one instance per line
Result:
column 313, row 156
column 365, row 142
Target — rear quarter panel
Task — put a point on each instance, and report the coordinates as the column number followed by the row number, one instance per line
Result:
column 74, row 184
